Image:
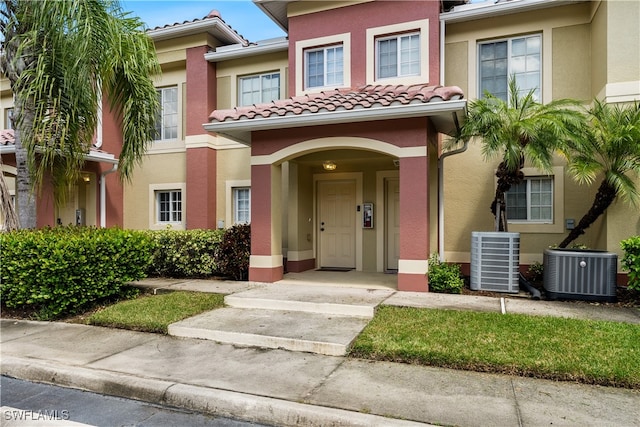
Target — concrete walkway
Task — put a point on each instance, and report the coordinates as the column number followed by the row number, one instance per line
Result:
column 293, row 388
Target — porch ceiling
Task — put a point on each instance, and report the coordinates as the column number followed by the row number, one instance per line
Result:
column 444, row 105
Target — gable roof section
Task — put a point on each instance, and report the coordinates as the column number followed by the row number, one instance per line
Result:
column 212, row 24
column 444, row 105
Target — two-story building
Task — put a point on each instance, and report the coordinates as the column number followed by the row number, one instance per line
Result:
column 329, row 141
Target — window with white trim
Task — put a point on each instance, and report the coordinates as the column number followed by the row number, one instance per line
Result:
column 169, row 206
column 167, row 118
column 531, row 200
column 520, row 57
column 8, row 118
column 398, row 56
column 324, row 66
column 241, row 205
column 259, row 89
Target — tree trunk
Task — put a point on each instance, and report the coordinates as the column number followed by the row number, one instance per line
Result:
column 505, row 180
column 25, row 198
column 604, row 197
column 9, row 218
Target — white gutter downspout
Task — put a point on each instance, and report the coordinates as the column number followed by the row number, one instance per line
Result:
column 444, row 156
column 441, row 196
column 103, row 195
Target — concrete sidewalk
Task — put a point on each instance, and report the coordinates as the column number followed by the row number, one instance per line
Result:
column 287, row 388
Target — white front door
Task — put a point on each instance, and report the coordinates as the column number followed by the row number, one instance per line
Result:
column 392, row 200
column 337, row 223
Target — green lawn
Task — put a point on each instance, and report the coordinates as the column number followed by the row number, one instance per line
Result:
column 595, row 352
column 154, row 313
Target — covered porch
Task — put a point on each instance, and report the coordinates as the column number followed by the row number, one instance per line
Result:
column 345, row 180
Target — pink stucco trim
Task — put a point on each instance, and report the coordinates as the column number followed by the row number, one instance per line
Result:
column 201, row 188
column 413, row 282
column 267, row 275
column 401, row 133
column 300, row 266
column 414, row 208
column 201, row 89
column 355, row 20
column 261, row 218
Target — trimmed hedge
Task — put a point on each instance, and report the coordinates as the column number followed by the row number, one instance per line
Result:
column 59, row 271
column 631, row 261
column 185, row 254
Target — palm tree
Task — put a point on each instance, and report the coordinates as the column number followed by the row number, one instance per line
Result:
column 611, row 149
column 61, row 57
column 519, row 129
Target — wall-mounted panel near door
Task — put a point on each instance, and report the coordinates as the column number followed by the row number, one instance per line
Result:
column 337, row 224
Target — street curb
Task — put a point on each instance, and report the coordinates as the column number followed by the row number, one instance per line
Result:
column 223, row 403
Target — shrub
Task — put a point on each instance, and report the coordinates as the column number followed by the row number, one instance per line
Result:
column 233, row 252
column 631, row 261
column 536, row 271
column 62, row 270
column 443, row 277
column 185, row 254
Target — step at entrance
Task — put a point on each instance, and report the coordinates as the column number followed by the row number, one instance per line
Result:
column 312, row 299
column 316, row 319
column 289, row 330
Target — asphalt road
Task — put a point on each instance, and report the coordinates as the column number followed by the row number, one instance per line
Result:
column 30, row 404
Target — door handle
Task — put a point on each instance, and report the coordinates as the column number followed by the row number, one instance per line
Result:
column 322, row 226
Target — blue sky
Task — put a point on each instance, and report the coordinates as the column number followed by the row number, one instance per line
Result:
column 242, row 15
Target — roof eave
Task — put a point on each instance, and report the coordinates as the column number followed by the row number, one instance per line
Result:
column 480, row 11
column 447, row 116
column 214, row 26
column 247, row 51
column 275, row 11
column 92, row 156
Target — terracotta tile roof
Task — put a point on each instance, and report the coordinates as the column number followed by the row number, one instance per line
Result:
column 342, row 100
column 212, row 15
column 7, row 137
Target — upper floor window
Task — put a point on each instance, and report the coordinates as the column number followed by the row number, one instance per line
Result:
column 8, row 118
column 259, row 89
column 169, row 206
column 519, row 57
column 398, row 56
column 324, row 66
column 167, row 119
column 531, row 200
column 242, row 205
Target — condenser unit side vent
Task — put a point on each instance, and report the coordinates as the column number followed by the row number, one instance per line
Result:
column 495, row 261
column 581, row 274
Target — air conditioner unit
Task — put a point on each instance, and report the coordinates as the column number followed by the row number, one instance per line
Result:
column 581, row 274
column 495, row 261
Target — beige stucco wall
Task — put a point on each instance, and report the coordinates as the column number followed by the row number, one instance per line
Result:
column 544, row 21
column 228, row 73
column 623, row 41
column 620, row 225
column 599, row 48
column 456, row 65
column 469, row 190
column 166, row 170
column 577, row 63
column 232, row 170
column 572, row 62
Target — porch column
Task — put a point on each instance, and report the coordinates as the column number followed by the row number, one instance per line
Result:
column 265, row 263
column 414, row 224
